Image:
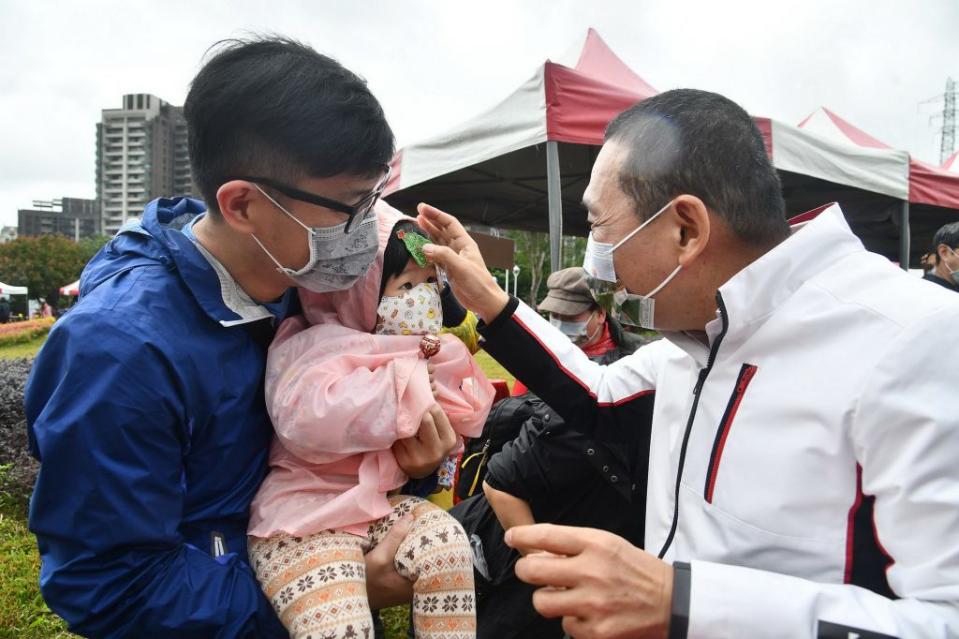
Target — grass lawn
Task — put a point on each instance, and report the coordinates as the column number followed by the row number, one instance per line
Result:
column 24, row 615
column 493, row 369
column 28, row 349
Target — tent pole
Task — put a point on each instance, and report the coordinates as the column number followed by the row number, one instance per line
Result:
column 904, row 236
column 554, row 191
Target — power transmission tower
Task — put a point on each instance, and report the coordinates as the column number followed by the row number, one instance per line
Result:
column 948, row 121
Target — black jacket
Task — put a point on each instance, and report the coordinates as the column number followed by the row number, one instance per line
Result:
column 935, row 279
column 567, row 478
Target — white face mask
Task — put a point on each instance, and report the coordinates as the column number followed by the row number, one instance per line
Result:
column 337, row 259
column 953, row 273
column 610, row 292
column 577, row 332
column 418, row 311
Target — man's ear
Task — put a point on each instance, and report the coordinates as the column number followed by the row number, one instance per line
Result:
column 234, row 199
column 693, row 227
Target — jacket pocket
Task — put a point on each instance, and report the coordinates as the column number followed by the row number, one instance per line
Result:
column 746, row 374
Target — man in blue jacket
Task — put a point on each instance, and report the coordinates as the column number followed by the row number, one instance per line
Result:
column 145, row 406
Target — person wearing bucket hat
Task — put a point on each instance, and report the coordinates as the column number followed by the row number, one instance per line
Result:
column 573, row 310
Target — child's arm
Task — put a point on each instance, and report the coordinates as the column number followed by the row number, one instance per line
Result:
column 458, row 321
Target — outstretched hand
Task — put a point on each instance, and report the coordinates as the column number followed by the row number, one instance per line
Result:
column 601, row 585
column 457, row 253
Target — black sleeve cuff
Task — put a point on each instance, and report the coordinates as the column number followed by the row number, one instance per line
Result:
column 489, row 330
column 453, row 312
column 679, row 615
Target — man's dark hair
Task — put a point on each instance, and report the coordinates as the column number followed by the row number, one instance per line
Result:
column 948, row 235
column 273, row 107
column 395, row 255
column 699, row 143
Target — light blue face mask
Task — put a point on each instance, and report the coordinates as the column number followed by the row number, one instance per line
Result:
column 610, row 292
column 337, row 259
column 577, row 332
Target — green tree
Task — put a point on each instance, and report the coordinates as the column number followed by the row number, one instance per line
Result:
column 532, row 257
column 44, row 264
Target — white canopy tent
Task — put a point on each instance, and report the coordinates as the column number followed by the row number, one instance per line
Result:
column 7, row 289
column 524, row 163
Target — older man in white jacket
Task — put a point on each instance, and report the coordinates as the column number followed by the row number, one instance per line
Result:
column 804, row 460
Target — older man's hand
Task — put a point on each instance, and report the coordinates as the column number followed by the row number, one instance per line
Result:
column 420, row 455
column 602, row 586
column 457, row 253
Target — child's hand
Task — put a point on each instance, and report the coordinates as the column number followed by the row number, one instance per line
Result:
column 431, row 371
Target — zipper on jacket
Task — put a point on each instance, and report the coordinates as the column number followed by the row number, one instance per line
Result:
column 742, row 382
column 697, row 390
column 483, row 454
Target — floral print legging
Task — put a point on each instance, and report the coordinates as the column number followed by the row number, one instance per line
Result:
column 317, row 583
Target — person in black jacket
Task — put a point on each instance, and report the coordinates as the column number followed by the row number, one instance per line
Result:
column 573, row 310
column 553, row 474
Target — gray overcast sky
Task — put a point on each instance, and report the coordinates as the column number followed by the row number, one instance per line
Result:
column 433, row 64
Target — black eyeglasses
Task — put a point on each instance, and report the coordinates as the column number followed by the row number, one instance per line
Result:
column 357, row 212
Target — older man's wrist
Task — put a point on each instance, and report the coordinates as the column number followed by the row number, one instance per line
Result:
column 498, row 299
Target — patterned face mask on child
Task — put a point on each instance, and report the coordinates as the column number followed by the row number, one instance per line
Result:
column 415, row 312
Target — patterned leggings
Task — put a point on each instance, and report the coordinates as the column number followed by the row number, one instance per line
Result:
column 317, row 584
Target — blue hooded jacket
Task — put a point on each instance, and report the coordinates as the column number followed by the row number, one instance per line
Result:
column 145, row 407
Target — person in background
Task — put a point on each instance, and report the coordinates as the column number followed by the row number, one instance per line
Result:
column 573, row 311
column 4, row 310
column 945, row 269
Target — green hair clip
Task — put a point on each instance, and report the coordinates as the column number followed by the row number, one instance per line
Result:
column 414, row 244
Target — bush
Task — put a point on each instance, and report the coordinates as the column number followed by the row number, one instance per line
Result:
column 18, row 470
column 23, row 332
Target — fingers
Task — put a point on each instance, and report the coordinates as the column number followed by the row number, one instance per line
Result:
column 559, row 540
column 431, row 229
column 558, row 602
column 444, row 429
column 447, row 226
column 544, row 569
column 427, row 434
column 390, row 543
column 444, row 257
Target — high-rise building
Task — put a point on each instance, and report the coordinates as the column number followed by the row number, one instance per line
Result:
column 141, row 155
column 71, row 217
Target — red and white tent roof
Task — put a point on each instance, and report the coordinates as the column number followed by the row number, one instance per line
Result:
column 574, row 104
column 561, row 103
column 491, row 170
column 952, row 163
column 71, row 289
column 924, row 183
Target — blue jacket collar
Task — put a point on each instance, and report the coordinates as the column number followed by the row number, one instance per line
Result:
column 164, row 220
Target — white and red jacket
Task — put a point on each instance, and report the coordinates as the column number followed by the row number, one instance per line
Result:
column 806, row 460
